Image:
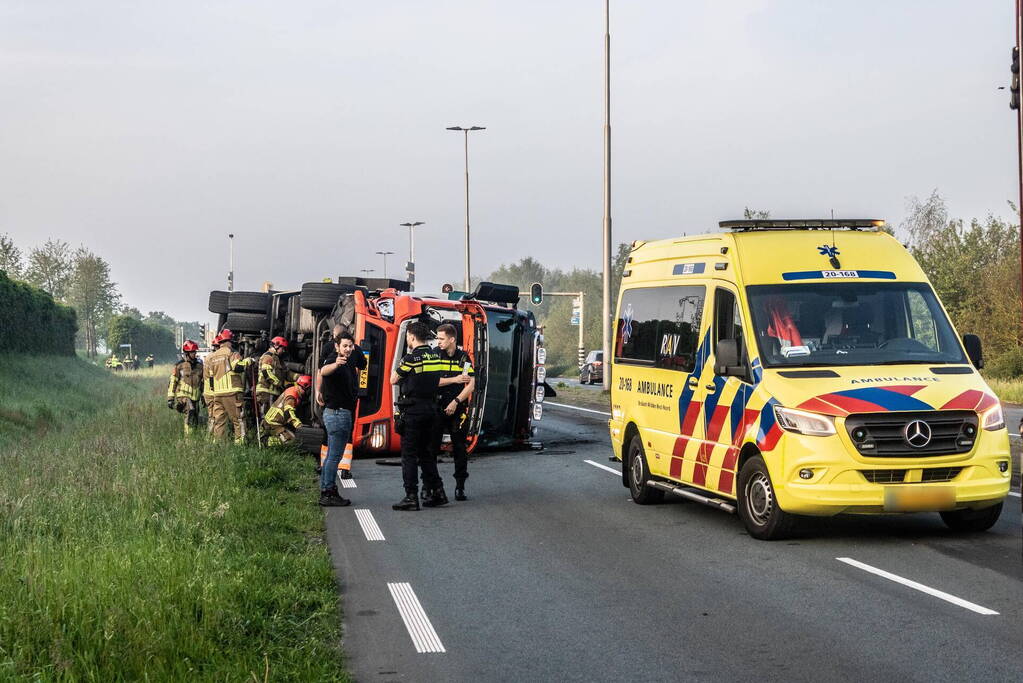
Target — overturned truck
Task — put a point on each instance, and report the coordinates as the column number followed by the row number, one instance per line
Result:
column 504, row 342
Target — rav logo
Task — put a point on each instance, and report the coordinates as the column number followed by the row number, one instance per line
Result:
column 827, row 250
column 670, row 344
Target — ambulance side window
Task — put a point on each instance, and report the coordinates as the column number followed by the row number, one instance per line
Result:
column 728, row 319
column 660, row 326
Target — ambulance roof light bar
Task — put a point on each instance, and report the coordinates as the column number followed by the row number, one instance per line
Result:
column 803, row 224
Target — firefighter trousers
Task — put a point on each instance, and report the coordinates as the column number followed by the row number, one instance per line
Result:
column 227, row 409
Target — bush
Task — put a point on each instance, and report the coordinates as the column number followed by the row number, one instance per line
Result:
column 1007, row 365
column 32, row 322
column 144, row 338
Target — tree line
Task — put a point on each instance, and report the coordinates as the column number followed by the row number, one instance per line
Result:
column 973, row 265
column 82, row 281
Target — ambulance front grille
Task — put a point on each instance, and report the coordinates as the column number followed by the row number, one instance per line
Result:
column 884, row 476
column 930, row 475
column 883, row 435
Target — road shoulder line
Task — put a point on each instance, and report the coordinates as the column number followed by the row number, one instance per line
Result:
column 942, row 595
column 424, row 637
column 369, row 525
column 585, row 410
column 603, row 467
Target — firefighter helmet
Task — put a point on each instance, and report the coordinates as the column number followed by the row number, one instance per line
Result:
column 189, row 346
column 305, row 381
column 279, row 341
column 226, row 335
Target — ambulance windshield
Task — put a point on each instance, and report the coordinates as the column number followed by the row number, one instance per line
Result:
column 851, row 323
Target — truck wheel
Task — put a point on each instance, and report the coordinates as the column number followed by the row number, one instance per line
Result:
column 247, row 322
column 639, row 475
column 972, row 520
column 322, row 296
column 309, row 438
column 219, row 301
column 249, row 302
column 758, row 505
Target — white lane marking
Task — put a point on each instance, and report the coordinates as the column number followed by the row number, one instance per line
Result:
column 369, row 525
column 585, row 410
column 424, row 637
column 347, row 483
column 947, row 597
column 603, row 467
column 1013, row 493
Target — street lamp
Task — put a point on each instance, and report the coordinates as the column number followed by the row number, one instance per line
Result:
column 467, row 131
column 385, row 255
column 606, row 307
column 367, row 271
column 410, row 270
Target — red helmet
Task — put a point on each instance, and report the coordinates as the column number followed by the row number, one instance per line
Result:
column 279, row 341
column 305, row 381
column 189, row 345
column 225, row 335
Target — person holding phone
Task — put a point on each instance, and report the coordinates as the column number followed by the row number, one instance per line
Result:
column 456, row 386
column 338, row 392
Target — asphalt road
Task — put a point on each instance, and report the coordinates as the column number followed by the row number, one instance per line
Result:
column 550, row 573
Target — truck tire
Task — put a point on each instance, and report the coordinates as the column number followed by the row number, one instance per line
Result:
column 322, row 296
column 247, row 323
column 972, row 521
column 310, row 438
column 758, row 505
column 219, row 301
column 249, row 302
column 221, row 321
column 639, row 474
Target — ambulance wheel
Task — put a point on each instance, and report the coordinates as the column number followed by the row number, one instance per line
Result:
column 972, row 520
column 639, row 475
column 758, row 505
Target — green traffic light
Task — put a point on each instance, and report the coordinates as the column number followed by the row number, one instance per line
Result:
column 536, row 294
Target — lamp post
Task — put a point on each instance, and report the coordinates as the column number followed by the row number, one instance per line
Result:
column 230, row 272
column 410, row 271
column 467, row 131
column 606, row 307
column 385, row 254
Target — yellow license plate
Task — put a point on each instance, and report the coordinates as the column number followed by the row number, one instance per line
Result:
column 919, row 498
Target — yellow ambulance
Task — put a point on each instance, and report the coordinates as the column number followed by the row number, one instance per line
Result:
column 800, row 367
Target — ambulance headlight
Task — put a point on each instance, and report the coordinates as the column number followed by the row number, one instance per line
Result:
column 994, row 419
column 802, row 422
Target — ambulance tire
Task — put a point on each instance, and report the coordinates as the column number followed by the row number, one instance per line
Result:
column 322, row 296
column 639, row 475
column 972, row 521
column 758, row 505
column 219, row 301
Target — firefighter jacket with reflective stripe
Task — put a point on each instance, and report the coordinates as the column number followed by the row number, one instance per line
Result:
column 186, row 380
column 282, row 411
column 224, row 370
column 273, row 374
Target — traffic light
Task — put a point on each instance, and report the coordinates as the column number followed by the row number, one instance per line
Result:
column 446, row 288
column 1014, row 82
column 536, row 294
column 202, row 333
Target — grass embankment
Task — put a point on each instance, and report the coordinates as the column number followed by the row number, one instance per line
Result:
column 1008, row 390
column 594, row 399
column 130, row 552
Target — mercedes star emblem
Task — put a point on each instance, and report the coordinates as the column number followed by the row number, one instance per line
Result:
column 917, row 433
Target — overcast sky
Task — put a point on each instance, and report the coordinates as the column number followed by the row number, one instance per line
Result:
column 149, row 130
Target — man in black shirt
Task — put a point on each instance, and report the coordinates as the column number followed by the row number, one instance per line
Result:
column 419, row 376
column 338, row 393
column 456, row 385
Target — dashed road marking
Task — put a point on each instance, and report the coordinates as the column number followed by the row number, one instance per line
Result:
column 603, row 467
column 369, row 525
column 585, row 410
column 947, row 597
column 1013, row 493
column 424, row 637
column 347, row 483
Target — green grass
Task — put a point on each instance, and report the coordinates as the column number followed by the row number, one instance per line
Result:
column 132, row 553
column 1008, row 390
column 595, row 399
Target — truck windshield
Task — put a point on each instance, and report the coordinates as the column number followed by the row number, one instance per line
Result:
column 851, row 323
column 502, row 372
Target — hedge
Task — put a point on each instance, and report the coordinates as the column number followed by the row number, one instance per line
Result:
column 145, row 338
column 32, row 322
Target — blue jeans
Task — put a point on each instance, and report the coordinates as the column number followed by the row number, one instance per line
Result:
column 339, row 430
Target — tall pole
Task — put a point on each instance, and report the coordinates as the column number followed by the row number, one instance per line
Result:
column 582, row 327
column 384, row 254
column 1018, row 28
column 230, row 273
column 467, row 271
column 410, row 271
column 606, row 307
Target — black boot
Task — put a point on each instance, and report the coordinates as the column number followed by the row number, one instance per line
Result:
column 436, row 499
column 345, row 474
column 331, row 499
column 460, row 492
column 425, row 494
column 409, row 502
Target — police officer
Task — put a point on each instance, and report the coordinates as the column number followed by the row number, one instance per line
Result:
column 457, row 382
column 419, row 375
column 186, row 385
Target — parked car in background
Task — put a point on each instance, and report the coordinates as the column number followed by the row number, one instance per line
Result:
column 592, row 371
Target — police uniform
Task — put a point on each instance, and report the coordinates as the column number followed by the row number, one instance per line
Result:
column 184, row 390
column 456, row 425
column 420, row 371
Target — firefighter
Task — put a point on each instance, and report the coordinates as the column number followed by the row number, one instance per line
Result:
column 282, row 414
column 272, row 375
column 150, row 360
column 223, row 373
column 207, row 391
column 419, row 375
column 457, row 382
column 108, row 363
column 186, row 385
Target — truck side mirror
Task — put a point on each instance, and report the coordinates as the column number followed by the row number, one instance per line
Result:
column 727, row 361
column 974, row 350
